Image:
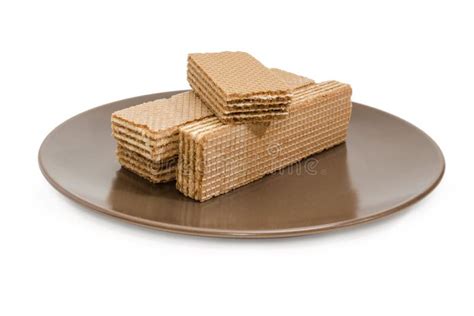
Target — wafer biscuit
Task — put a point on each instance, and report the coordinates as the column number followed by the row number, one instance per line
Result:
column 225, row 157
column 237, row 88
column 237, row 75
column 148, row 134
column 302, row 88
column 151, row 128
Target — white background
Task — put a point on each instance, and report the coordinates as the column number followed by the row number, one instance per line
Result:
column 412, row 59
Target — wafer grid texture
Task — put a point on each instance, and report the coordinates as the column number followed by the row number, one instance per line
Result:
column 242, row 107
column 215, row 158
column 237, row 88
column 147, row 134
column 151, row 128
column 303, row 88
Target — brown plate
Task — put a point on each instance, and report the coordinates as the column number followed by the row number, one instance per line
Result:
column 385, row 165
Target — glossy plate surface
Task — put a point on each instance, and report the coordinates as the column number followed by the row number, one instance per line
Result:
column 385, row 165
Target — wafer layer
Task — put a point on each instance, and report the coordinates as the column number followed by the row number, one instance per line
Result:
column 215, row 158
column 150, row 151
column 155, row 172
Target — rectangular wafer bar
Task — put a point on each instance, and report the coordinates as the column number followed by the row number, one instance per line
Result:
column 302, row 90
column 151, row 128
column 237, row 87
column 147, row 134
column 217, row 158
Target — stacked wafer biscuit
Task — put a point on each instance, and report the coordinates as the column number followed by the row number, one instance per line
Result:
column 237, row 87
column 147, row 134
column 215, row 158
column 240, row 122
